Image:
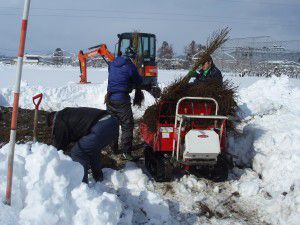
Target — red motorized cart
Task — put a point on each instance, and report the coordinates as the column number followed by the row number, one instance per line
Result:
column 189, row 135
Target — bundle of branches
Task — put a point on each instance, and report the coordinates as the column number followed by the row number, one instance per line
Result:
column 224, row 93
column 215, row 41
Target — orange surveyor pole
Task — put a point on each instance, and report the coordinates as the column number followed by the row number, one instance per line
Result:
column 14, row 117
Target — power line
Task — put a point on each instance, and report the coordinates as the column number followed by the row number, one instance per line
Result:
column 9, row 50
column 144, row 12
column 27, row 50
column 117, row 11
column 154, row 19
column 264, row 2
column 136, row 12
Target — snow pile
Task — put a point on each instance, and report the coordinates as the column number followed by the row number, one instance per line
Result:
column 199, row 201
column 49, row 76
column 47, row 189
column 95, row 209
column 70, row 95
column 271, row 144
column 144, row 206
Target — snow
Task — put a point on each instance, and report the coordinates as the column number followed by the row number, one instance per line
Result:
column 48, row 190
column 249, row 184
column 263, row 188
column 271, row 115
column 270, row 120
column 60, row 88
column 69, row 94
column 49, row 76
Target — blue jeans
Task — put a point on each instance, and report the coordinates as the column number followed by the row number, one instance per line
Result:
column 87, row 150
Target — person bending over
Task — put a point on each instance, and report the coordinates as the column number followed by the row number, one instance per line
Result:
column 90, row 129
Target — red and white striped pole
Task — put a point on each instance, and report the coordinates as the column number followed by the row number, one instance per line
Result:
column 14, row 117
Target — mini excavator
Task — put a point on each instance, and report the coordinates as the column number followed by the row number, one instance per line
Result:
column 145, row 47
column 96, row 51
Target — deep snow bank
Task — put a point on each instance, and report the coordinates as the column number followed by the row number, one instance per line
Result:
column 49, row 76
column 47, row 189
column 53, row 76
column 70, row 95
column 270, row 144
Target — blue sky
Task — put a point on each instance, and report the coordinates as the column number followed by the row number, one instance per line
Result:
column 79, row 24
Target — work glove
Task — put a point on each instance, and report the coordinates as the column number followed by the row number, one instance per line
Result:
column 192, row 73
column 138, row 97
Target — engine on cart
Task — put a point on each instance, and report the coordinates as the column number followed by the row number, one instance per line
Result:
column 192, row 138
column 201, row 145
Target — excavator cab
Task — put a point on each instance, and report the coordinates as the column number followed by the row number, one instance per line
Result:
column 146, row 54
column 145, row 47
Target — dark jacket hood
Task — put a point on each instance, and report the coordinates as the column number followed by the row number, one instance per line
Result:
column 73, row 123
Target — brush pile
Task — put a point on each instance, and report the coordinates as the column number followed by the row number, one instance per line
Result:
column 223, row 93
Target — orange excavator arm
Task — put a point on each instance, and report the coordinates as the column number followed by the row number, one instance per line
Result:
column 98, row 50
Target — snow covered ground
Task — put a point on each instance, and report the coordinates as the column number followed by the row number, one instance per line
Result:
column 263, row 189
column 61, row 89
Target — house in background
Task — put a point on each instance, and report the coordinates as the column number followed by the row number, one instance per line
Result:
column 30, row 59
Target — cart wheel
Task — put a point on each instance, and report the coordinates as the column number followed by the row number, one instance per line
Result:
column 162, row 170
column 158, row 165
column 220, row 171
column 150, row 162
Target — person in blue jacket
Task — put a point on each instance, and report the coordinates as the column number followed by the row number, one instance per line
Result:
column 123, row 77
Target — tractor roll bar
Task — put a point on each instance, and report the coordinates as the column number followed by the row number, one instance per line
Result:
column 197, row 98
column 180, row 117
